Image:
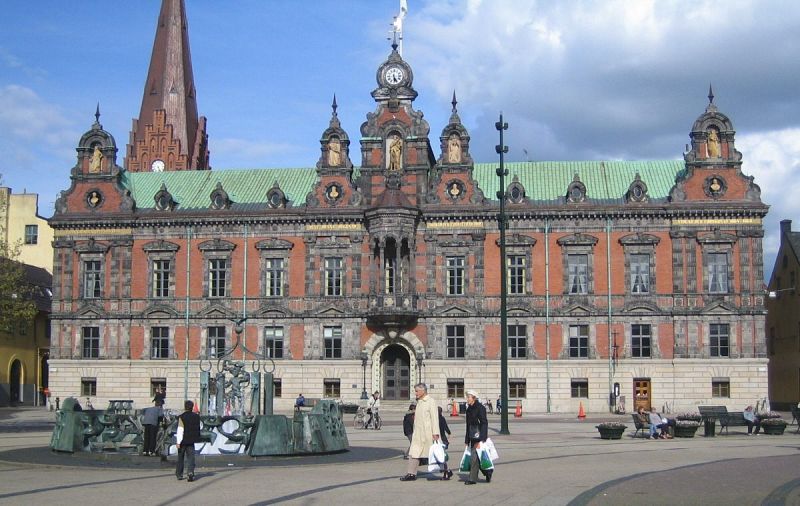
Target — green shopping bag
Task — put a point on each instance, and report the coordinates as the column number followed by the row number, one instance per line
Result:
column 465, row 460
column 486, row 462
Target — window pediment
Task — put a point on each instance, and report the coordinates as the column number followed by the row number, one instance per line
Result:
column 160, row 245
column 217, row 245
column 275, row 244
column 518, row 240
column 717, row 237
column 639, row 239
column 577, row 240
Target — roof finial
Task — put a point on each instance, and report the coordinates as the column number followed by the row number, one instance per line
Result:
column 333, row 105
column 710, row 95
column 454, row 102
column 97, row 113
column 394, row 40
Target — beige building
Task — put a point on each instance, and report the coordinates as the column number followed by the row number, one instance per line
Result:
column 783, row 322
column 21, row 224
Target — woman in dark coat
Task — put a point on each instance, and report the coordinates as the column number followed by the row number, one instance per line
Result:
column 444, row 431
column 477, row 432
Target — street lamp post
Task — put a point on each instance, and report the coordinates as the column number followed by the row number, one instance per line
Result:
column 502, row 149
column 364, row 357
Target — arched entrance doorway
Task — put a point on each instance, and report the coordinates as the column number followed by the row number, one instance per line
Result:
column 396, row 373
column 15, row 380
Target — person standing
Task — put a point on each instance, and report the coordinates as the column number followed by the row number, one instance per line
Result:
column 477, row 433
column 299, row 402
column 426, row 430
column 408, row 427
column 150, row 418
column 188, row 434
column 374, row 406
column 444, row 431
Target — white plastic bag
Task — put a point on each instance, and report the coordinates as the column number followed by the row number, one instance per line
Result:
column 436, row 457
column 488, row 445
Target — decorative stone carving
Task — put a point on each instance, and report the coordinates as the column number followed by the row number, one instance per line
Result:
column 454, row 149
column 395, row 150
column 715, row 186
column 164, row 200
column 576, row 192
column 97, row 160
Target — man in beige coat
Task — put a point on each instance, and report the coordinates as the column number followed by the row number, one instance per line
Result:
column 426, row 430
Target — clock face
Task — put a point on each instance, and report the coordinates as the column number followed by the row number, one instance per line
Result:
column 157, row 166
column 394, row 75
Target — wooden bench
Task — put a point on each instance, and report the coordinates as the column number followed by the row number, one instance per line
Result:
column 731, row 419
column 640, row 426
column 310, row 402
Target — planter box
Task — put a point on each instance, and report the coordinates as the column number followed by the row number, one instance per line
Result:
column 611, row 432
column 774, row 430
column 685, row 431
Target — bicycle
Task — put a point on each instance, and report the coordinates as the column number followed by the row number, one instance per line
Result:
column 375, row 421
column 358, row 419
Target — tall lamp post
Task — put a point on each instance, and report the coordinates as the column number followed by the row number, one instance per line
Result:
column 364, row 357
column 502, row 149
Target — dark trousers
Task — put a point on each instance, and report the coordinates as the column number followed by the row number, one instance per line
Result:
column 750, row 425
column 185, row 451
column 474, row 461
column 150, row 435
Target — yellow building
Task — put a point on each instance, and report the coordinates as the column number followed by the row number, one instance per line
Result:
column 21, row 224
column 24, row 350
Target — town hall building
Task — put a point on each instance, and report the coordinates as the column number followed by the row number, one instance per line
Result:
column 380, row 266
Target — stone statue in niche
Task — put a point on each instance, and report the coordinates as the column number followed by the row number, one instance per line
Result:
column 395, row 153
column 97, row 161
column 334, row 152
column 713, row 143
column 454, row 149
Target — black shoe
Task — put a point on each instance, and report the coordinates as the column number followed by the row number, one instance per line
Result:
column 469, row 482
column 489, row 476
column 179, row 477
column 191, row 477
column 447, row 475
column 409, row 477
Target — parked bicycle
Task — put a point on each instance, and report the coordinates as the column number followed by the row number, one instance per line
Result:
column 363, row 419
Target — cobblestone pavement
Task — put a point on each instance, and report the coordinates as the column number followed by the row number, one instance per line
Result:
column 547, row 459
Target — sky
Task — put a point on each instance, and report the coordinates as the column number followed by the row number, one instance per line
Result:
column 577, row 80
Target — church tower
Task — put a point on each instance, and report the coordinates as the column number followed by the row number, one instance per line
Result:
column 168, row 134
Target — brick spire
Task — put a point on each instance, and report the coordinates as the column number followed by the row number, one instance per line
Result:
column 169, row 105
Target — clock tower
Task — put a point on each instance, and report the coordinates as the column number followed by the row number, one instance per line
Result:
column 394, row 139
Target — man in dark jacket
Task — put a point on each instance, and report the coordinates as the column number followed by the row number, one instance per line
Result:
column 188, row 434
column 150, row 418
column 477, row 433
column 408, row 426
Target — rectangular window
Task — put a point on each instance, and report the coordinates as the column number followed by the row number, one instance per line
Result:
column 455, row 388
column 333, row 341
column 159, row 342
column 455, row 275
column 717, row 273
column 517, row 388
column 720, row 387
column 31, row 234
column 158, row 385
column 455, row 341
column 88, row 387
column 333, row 276
column 578, row 269
column 640, row 273
column 516, row 274
column 389, row 275
column 579, row 341
column 273, row 277
column 161, row 278
column 217, row 277
column 91, row 342
column 517, row 341
column 579, row 388
column 719, row 339
column 215, row 346
column 92, row 279
column 332, row 388
column 277, row 388
column 640, row 340
column 273, row 342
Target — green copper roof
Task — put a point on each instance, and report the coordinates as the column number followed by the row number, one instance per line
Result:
column 543, row 181
column 604, row 180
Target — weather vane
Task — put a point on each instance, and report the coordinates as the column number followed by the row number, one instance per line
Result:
column 397, row 27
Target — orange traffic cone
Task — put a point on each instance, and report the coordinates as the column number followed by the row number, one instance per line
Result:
column 518, row 412
column 454, row 411
column 581, row 412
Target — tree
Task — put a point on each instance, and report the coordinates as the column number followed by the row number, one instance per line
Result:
column 16, row 293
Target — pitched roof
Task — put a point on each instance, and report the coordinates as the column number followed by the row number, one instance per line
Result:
column 606, row 181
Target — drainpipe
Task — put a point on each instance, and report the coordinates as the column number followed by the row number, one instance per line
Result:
column 188, row 302
column 244, row 294
column 547, row 308
column 608, row 273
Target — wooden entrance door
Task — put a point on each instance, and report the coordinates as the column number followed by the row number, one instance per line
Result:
column 641, row 393
column 396, row 373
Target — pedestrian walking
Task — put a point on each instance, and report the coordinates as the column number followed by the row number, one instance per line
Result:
column 477, row 432
column 444, row 431
column 188, row 434
column 408, row 426
column 426, row 430
column 150, row 418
